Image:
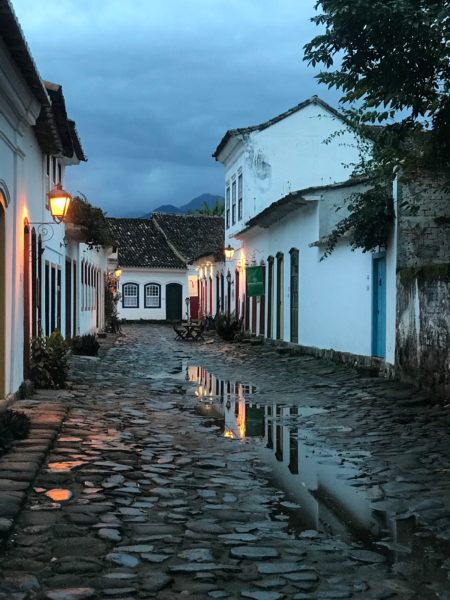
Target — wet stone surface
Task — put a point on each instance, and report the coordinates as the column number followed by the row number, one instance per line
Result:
column 303, row 481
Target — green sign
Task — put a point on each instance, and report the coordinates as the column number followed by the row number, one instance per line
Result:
column 255, row 285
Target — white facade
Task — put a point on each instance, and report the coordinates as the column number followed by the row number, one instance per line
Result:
column 335, row 307
column 148, row 309
column 33, row 255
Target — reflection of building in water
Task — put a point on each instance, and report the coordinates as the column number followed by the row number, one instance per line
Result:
column 321, row 482
column 241, row 418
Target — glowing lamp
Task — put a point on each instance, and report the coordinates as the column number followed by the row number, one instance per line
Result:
column 117, row 273
column 59, row 201
column 229, row 252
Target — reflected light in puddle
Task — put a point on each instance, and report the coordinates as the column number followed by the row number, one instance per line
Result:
column 59, row 495
column 64, row 466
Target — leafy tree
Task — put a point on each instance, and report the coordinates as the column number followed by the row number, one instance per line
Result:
column 393, row 56
column 92, row 220
column 217, row 210
column 391, row 60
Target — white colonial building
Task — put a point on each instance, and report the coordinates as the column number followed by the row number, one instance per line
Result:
column 46, row 281
column 171, row 266
column 284, row 180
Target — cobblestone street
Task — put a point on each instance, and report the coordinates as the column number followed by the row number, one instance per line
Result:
column 215, row 470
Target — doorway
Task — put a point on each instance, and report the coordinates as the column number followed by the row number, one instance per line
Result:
column 269, row 296
column 280, row 295
column 174, row 302
column 26, row 300
column 2, row 295
column 379, row 305
column 294, row 295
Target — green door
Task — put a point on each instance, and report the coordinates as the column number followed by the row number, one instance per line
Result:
column 294, row 295
column 174, row 302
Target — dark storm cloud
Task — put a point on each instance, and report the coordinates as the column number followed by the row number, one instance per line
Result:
column 154, row 84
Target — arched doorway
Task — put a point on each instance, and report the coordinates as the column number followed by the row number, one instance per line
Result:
column 26, row 299
column 2, row 295
column 174, row 302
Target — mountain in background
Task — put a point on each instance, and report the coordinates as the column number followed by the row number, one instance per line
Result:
column 194, row 204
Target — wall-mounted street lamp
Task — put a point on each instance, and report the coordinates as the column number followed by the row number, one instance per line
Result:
column 117, row 273
column 58, row 202
column 229, row 252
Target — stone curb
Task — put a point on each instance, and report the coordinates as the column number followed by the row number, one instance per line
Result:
column 21, row 464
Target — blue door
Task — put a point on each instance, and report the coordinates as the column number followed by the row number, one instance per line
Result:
column 379, row 306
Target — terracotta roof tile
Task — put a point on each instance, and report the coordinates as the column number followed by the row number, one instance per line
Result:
column 141, row 244
column 193, row 236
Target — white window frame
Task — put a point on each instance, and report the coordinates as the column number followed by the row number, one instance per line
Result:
column 152, row 300
column 130, row 300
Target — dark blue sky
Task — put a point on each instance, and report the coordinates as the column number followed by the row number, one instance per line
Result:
column 154, row 84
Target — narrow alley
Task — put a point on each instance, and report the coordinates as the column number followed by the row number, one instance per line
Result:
column 217, row 470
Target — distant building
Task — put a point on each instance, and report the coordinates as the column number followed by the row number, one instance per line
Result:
column 166, row 260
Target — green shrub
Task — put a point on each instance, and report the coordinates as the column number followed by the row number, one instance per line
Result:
column 85, row 345
column 13, row 425
column 227, row 326
column 49, row 367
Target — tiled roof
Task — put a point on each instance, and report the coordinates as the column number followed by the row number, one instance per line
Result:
column 193, row 236
column 14, row 39
column 141, row 244
column 245, row 130
column 55, row 118
column 294, row 200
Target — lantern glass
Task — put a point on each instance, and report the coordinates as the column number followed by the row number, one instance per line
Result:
column 59, row 201
column 229, row 252
column 117, row 273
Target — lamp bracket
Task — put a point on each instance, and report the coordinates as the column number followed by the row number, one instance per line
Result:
column 44, row 229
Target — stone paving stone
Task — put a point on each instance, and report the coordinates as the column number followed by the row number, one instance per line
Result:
column 163, row 506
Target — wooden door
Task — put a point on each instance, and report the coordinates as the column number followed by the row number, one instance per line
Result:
column 379, row 306
column 68, row 298
column 280, row 295
column 2, row 297
column 174, row 302
column 26, row 300
column 294, row 296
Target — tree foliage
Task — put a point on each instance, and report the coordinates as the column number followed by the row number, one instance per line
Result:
column 391, row 61
column 92, row 220
column 216, row 210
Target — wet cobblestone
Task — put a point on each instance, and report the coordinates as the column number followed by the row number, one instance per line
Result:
column 150, row 500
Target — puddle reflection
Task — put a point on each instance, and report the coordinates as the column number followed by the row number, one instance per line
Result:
column 326, row 484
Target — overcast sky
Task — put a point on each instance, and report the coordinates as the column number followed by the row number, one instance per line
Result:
column 154, row 84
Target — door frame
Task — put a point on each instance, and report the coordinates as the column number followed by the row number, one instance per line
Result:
column 293, row 310
column 280, row 295
column 180, row 288
column 3, row 207
column 270, row 265
column 379, row 305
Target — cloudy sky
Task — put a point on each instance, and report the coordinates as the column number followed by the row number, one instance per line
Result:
column 154, row 84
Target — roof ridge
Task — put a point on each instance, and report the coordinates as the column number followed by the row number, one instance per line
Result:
column 315, row 99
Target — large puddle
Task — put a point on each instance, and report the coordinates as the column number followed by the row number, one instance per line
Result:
column 322, row 486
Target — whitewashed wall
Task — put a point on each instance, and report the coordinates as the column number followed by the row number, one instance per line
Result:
column 335, row 295
column 144, row 276
column 291, row 155
column 24, row 184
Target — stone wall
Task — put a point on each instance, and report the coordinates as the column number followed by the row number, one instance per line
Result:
column 423, row 283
